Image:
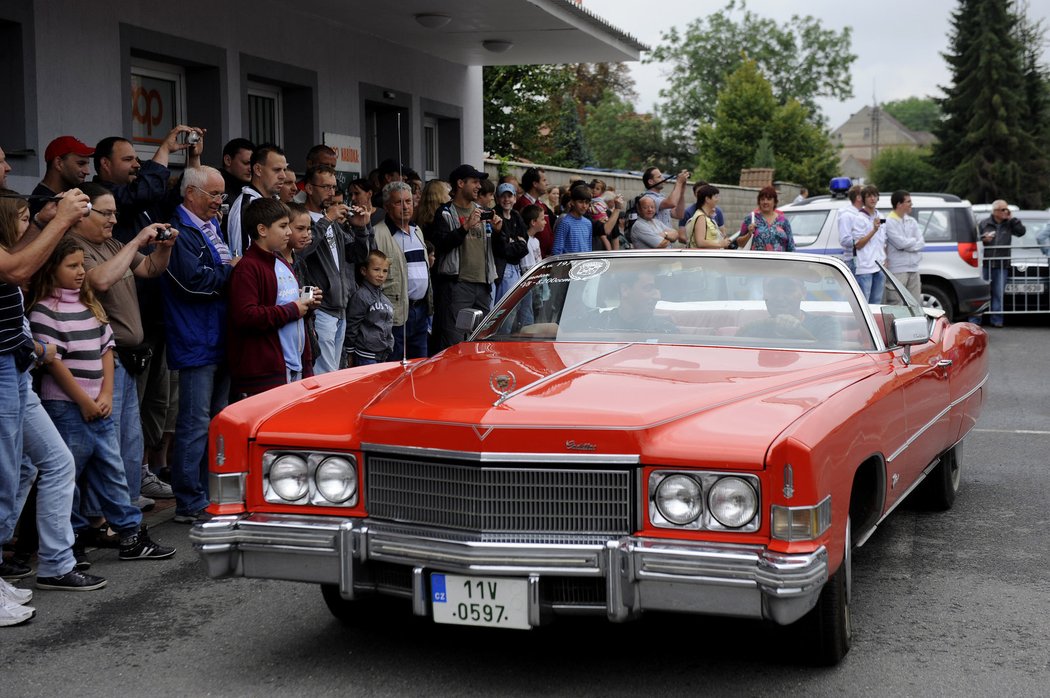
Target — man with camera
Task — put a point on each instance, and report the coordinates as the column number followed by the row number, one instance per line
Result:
column 328, row 265
column 869, row 244
column 141, row 188
column 996, row 233
column 195, row 292
column 465, row 268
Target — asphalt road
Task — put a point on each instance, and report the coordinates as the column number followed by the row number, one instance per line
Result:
column 952, row 604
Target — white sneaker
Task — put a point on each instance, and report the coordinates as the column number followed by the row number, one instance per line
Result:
column 153, row 486
column 144, row 503
column 14, row 614
column 12, row 594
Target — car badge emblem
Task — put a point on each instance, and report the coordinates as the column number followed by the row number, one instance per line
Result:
column 587, row 268
column 503, row 384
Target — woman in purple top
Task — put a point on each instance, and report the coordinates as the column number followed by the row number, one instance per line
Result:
column 771, row 231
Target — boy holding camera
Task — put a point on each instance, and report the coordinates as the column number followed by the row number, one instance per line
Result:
column 267, row 346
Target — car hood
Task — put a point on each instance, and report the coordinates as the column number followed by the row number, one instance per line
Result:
column 660, row 402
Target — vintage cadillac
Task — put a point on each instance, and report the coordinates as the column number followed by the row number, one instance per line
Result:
column 683, row 431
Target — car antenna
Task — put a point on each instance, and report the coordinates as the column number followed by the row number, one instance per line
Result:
column 408, row 311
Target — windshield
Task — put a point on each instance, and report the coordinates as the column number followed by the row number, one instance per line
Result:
column 757, row 300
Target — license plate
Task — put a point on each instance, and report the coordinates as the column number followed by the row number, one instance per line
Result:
column 496, row 602
column 1024, row 288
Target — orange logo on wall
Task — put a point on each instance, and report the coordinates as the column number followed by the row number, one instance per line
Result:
column 350, row 155
column 147, row 107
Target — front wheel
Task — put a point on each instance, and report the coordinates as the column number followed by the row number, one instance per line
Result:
column 829, row 626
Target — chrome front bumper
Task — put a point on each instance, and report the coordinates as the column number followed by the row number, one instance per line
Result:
column 640, row 573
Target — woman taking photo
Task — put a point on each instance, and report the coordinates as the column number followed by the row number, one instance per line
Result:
column 771, row 230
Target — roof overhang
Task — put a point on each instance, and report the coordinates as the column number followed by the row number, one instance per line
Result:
column 539, row 31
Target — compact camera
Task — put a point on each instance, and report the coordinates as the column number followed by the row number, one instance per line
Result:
column 191, row 138
column 487, row 214
column 224, row 210
column 308, row 293
column 162, row 235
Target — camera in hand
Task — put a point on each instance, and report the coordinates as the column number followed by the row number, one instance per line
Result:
column 308, row 293
column 487, row 214
column 191, row 138
column 162, row 235
column 882, row 221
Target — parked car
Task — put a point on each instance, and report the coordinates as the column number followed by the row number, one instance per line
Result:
column 683, row 431
column 951, row 277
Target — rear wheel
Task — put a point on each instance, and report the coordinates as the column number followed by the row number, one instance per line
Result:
column 936, row 297
column 829, row 625
column 939, row 489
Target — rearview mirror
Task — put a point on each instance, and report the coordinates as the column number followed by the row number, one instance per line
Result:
column 909, row 331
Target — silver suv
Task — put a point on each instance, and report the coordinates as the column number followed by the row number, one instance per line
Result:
column 951, row 277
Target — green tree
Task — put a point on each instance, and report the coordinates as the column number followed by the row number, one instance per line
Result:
column 569, row 145
column 916, row 113
column 905, row 168
column 517, row 105
column 621, row 139
column 1032, row 36
column 985, row 143
column 746, row 110
column 800, row 58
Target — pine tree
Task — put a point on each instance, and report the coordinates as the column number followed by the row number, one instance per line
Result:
column 985, row 140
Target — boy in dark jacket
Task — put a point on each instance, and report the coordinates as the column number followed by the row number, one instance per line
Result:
column 267, row 339
column 370, row 315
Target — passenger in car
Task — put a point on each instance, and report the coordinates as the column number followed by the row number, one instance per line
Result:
column 787, row 320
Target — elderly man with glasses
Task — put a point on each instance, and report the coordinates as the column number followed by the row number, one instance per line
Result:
column 996, row 232
column 195, row 291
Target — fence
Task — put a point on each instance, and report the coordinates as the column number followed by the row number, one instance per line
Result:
column 1025, row 275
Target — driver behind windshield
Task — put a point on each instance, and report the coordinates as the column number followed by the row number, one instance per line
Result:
column 787, row 320
column 638, row 294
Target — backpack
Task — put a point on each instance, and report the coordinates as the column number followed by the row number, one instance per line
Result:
column 630, row 216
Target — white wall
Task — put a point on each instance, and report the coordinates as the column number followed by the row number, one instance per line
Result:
column 79, row 78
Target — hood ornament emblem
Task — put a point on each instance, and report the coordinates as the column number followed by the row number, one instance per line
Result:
column 503, row 384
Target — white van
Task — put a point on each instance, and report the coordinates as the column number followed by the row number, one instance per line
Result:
column 951, row 277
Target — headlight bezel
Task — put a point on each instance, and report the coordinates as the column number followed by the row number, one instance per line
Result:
column 707, row 480
column 314, row 495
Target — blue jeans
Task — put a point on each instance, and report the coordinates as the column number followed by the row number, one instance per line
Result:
column 96, row 453
column 416, row 334
column 996, row 273
column 872, row 285
column 330, row 334
column 203, row 393
column 49, row 461
column 129, row 427
column 14, row 385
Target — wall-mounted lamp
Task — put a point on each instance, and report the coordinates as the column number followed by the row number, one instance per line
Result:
column 497, row 45
column 432, row 21
column 389, row 94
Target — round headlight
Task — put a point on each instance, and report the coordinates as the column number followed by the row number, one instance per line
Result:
column 679, row 499
column 336, row 479
column 732, row 502
column 288, row 477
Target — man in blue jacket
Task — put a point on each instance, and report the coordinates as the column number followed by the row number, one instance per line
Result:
column 195, row 314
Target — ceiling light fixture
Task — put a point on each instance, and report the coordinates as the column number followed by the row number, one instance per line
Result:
column 432, row 21
column 497, row 45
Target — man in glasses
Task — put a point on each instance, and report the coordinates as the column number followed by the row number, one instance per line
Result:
column 269, row 166
column 328, row 266
column 996, row 232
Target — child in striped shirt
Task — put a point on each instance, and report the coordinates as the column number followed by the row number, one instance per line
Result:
column 77, row 392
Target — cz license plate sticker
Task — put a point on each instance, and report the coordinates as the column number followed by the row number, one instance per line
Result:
column 495, row 602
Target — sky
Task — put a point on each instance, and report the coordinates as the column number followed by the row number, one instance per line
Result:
column 898, row 43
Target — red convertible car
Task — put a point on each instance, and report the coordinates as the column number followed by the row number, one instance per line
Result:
column 683, row 431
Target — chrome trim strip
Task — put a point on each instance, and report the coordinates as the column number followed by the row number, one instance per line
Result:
column 937, row 418
column 496, row 457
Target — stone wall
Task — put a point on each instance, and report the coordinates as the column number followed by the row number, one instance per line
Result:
column 736, row 202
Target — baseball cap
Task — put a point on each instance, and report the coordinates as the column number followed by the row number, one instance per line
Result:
column 64, row 145
column 465, row 172
column 506, row 188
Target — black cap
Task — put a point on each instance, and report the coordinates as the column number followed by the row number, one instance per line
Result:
column 390, row 167
column 465, row 172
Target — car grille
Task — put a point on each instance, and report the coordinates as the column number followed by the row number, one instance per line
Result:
column 471, row 497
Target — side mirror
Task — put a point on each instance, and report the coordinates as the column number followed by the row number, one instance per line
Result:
column 910, row 331
column 468, row 319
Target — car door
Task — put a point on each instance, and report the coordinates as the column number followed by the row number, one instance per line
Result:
column 923, row 374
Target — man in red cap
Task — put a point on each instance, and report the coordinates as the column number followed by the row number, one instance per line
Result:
column 67, row 161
